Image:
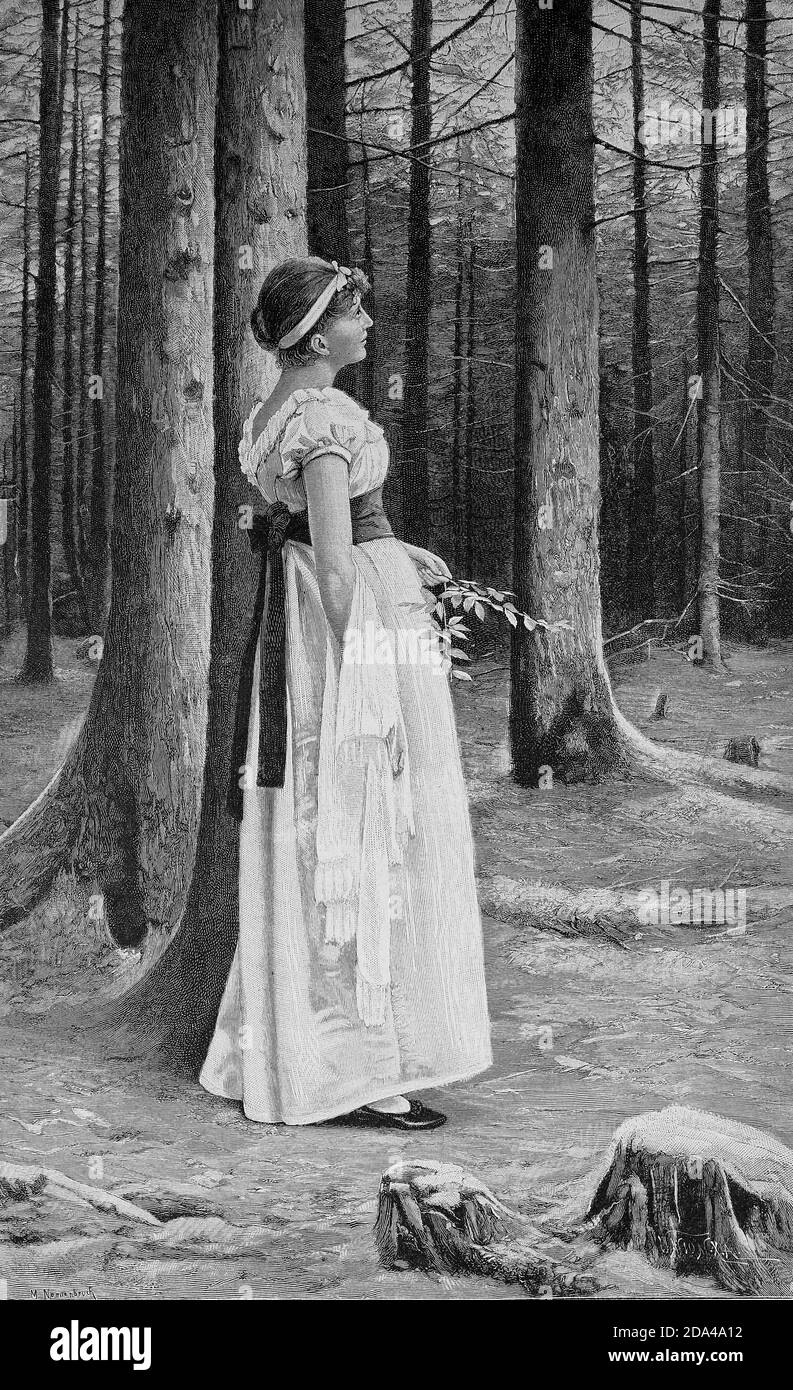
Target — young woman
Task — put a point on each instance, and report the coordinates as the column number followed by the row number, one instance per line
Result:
column 358, row 977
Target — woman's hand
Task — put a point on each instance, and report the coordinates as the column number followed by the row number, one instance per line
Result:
column 425, row 560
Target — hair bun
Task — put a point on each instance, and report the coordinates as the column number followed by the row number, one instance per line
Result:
column 264, row 337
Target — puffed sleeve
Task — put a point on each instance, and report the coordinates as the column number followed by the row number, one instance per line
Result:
column 319, row 428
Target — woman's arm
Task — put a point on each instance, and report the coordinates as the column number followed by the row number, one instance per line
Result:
column 326, row 481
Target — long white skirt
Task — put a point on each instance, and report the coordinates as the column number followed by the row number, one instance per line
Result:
column 289, row 1041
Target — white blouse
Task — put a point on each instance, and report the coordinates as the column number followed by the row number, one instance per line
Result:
column 310, row 422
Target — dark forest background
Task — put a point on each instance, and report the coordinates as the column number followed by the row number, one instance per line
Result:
column 441, row 130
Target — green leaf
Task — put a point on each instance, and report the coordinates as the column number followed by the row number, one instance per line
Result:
column 479, row 611
column 460, row 675
column 528, row 623
column 461, row 656
column 468, row 603
column 510, row 617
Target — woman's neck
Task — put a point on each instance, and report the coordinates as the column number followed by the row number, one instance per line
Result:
column 317, row 374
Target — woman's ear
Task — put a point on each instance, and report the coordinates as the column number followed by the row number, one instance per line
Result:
column 318, row 345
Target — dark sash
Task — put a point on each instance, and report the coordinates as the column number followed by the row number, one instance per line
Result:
column 270, row 529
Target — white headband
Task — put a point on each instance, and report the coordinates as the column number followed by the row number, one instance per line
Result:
column 318, row 308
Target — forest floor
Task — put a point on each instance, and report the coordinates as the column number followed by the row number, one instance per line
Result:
column 596, row 1017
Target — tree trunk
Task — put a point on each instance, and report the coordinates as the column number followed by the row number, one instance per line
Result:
column 37, row 665
column 415, row 464
column 326, row 131
column 68, row 529
column 7, row 543
column 83, row 443
column 325, row 33
column 124, row 807
column 470, row 411
column 682, row 495
column 24, row 350
column 643, row 527
column 709, row 441
column 174, row 1008
column 101, row 510
column 562, row 717
column 368, row 370
column 458, row 499
column 760, row 254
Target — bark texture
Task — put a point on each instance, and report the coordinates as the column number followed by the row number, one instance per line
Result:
column 415, row 468
column 260, row 170
column 643, row 525
column 37, row 664
column 708, row 345
column 123, row 809
column 101, row 507
column 562, row 715
column 760, row 304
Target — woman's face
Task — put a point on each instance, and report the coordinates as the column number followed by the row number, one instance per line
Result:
column 344, row 340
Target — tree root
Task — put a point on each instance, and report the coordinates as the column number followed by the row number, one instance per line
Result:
column 21, row 1181
column 42, row 840
column 669, row 764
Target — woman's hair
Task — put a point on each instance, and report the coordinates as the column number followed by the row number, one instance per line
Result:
column 288, row 293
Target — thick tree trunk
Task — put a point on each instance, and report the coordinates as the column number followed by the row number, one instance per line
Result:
column 415, row 463
column 708, row 341
column 101, row 508
column 37, row 665
column 124, row 807
column 174, row 1008
column 562, row 718
column 760, row 248
column 68, row 528
column 643, row 523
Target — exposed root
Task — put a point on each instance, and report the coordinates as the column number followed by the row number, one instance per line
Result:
column 20, row 1181
column 669, row 764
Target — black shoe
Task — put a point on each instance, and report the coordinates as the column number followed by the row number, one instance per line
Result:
column 417, row 1117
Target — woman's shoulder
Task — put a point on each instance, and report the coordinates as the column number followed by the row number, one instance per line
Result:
column 304, row 420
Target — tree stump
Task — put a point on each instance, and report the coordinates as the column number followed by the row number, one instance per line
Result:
column 743, row 750
column 439, row 1218
column 701, row 1195
column 693, row 1192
